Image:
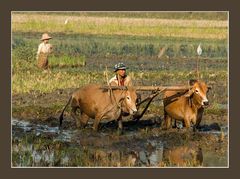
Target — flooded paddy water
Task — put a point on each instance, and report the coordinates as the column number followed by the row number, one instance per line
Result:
column 143, row 144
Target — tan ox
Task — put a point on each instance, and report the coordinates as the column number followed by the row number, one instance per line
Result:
column 186, row 106
column 96, row 103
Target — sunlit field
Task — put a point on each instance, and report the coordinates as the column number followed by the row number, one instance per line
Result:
column 159, row 48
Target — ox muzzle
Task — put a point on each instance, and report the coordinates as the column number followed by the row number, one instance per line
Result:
column 205, row 103
column 133, row 111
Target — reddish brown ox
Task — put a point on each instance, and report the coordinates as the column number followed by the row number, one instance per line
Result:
column 186, row 106
column 97, row 103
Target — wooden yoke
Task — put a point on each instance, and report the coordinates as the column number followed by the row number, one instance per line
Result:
column 150, row 88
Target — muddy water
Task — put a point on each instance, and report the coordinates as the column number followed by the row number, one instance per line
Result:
column 40, row 145
column 38, row 130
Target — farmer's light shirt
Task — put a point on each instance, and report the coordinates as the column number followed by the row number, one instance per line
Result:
column 44, row 48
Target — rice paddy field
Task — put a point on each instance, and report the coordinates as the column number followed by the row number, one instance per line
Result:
column 159, row 48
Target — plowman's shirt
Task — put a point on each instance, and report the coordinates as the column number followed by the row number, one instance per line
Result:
column 127, row 81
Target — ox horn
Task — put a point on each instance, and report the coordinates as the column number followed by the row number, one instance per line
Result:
column 192, row 82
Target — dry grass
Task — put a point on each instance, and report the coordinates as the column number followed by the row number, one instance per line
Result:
column 46, row 81
column 209, row 29
column 24, row 18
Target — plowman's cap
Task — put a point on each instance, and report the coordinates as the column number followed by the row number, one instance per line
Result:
column 120, row 66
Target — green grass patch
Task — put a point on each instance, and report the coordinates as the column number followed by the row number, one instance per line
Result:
column 111, row 46
column 67, row 61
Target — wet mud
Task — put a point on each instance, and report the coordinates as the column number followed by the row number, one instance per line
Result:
column 37, row 140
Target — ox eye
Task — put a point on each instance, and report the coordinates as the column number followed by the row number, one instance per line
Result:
column 128, row 98
column 196, row 91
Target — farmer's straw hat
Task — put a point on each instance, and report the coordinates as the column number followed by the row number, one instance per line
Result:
column 45, row 36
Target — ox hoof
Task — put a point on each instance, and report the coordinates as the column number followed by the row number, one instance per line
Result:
column 164, row 128
column 60, row 128
column 120, row 132
column 187, row 129
column 195, row 129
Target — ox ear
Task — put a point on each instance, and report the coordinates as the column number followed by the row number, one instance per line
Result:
column 209, row 88
column 192, row 82
column 189, row 93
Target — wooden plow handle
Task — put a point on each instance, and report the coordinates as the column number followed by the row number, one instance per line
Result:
column 138, row 116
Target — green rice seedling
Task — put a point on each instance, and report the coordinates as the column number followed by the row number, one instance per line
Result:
column 67, row 61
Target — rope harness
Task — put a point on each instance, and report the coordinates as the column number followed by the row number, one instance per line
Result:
column 118, row 104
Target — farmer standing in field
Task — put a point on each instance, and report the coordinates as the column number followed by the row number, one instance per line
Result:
column 121, row 78
column 44, row 49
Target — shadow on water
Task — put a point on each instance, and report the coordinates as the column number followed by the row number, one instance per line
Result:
column 143, row 144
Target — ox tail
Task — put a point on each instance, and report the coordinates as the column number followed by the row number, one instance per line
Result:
column 61, row 116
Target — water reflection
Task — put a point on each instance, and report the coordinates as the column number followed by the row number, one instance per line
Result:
column 39, row 145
